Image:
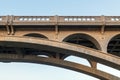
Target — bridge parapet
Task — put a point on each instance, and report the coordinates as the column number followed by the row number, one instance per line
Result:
column 82, row 18
column 4, row 20
column 112, row 19
column 32, row 18
column 60, row 20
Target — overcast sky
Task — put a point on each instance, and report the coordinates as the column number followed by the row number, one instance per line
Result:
column 26, row 71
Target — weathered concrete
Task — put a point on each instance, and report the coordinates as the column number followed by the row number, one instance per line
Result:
column 62, row 47
column 60, row 63
column 99, row 30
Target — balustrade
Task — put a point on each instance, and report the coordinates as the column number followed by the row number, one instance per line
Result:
column 59, row 19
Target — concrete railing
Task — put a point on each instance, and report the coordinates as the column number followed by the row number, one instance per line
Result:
column 32, row 18
column 58, row 19
column 3, row 18
column 80, row 18
column 112, row 19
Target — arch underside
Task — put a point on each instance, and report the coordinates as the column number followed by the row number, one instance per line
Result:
column 59, row 63
column 114, row 45
column 60, row 47
column 36, row 35
column 83, row 39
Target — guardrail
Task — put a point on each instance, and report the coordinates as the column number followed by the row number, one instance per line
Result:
column 58, row 19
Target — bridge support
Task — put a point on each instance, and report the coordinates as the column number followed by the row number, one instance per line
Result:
column 9, row 25
column 93, row 64
column 60, row 63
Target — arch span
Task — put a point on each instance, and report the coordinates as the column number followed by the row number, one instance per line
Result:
column 62, row 47
column 114, row 45
column 60, row 63
column 79, row 37
column 35, row 35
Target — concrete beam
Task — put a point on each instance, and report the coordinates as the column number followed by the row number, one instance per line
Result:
column 59, row 63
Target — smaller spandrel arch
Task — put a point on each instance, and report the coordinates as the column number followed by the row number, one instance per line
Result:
column 36, row 35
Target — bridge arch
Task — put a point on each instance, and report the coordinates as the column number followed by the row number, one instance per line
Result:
column 59, row 63
column 113, row 45
column 65, row 48
column 78, row 38
column 61, row 47
column 85, row 40
column 37, row 35
column 35, row 51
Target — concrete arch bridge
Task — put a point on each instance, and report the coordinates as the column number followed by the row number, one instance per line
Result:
column 95, row 38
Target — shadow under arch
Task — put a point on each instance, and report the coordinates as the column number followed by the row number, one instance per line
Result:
column 83, row 39
column 36, row 35
column 113, row 46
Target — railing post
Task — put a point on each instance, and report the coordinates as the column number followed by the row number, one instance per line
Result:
column 56, row 26
column 103, row 24
column 7, row 24
column 11, row 25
